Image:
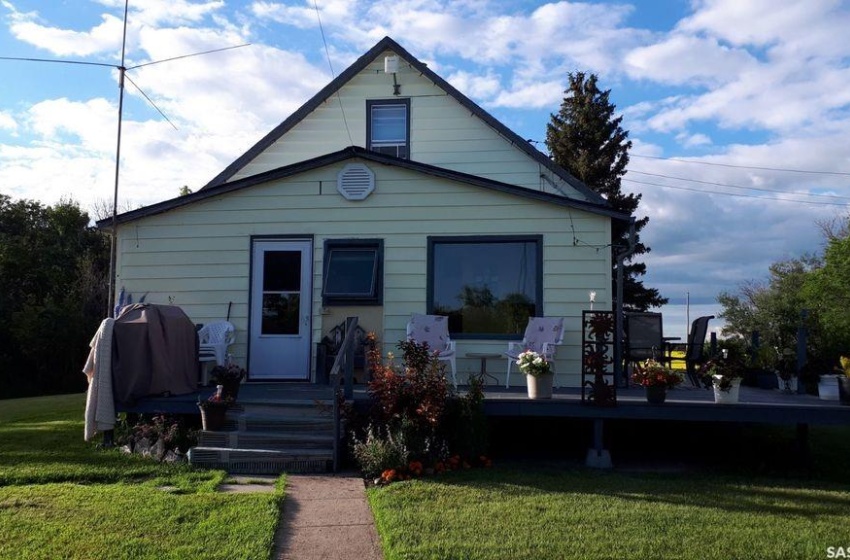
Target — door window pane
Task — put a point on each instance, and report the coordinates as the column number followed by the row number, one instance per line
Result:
column 486, row 287
column 282, row 271
column 281, row 313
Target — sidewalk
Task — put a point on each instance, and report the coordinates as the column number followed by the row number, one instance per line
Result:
column 325, row 517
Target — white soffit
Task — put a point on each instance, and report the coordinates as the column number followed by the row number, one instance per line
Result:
column 355, row 181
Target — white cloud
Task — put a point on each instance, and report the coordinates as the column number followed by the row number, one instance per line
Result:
column 66, row 42
column 8, row 122
column 688, row 60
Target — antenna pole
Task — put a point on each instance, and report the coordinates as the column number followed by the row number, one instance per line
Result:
column 113, row 246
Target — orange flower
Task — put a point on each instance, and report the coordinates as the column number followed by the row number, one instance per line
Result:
column 389, row 475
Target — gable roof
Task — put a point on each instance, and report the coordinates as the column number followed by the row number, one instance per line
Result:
column 353, row 152
column 359, row 65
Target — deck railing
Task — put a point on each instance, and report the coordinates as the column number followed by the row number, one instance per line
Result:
column 343, row 364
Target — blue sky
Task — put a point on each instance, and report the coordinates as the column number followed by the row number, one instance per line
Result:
column 739, row 111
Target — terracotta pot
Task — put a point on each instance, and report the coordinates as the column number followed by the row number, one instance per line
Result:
column 656, row 394
column 539, row 386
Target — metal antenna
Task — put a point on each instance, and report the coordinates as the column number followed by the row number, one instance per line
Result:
column 113, row 245
column 122, row 75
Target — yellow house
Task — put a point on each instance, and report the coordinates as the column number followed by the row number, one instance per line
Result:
column 388, row 193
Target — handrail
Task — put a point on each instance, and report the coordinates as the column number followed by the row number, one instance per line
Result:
column 344, row 359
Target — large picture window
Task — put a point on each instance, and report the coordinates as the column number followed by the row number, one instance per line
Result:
column 388, row 127
column 488, row 286
column 353, row 272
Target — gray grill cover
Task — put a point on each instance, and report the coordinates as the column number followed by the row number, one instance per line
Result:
column 154, row 352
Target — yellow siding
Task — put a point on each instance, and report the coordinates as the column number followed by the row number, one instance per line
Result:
column 198, row 256
column 443, row 132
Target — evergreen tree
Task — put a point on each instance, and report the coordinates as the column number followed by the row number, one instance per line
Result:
column 586, row 139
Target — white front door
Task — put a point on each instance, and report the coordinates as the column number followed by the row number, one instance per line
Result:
column 281, row 293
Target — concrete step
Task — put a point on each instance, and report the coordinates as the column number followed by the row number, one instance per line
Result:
column 262, row 461
column 266, row 439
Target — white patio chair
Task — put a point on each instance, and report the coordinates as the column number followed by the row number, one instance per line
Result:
column 434, row 329
column 542, row 335
column 214, row 339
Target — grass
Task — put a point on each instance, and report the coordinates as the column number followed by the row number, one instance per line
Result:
column 61, row 497
column 714, row 510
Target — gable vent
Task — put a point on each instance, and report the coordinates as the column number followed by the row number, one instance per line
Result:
column 355, row 181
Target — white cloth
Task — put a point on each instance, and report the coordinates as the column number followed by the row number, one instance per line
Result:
column 100, row 404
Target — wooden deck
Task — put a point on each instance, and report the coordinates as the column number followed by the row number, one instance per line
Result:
column 683, row 403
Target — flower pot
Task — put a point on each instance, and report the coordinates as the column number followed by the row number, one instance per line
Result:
column 656, row 394
column 844, row 389
column 787, row 385
column 213, row 417
column 828, row 388
column 539, row 386
column 729, row 396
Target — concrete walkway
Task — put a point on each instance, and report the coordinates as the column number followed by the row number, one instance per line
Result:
column 326, row 517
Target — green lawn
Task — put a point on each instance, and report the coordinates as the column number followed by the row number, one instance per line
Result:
column 63, row 498
column 562, row 510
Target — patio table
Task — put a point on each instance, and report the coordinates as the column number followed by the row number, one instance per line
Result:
column 484, row 356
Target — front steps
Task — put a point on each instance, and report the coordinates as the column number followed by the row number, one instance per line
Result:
column 269, row 436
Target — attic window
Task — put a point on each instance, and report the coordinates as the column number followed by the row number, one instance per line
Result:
column 355, row 181
column 388, row 127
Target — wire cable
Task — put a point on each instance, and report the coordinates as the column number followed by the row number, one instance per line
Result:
column 780, row 169
column 333, row 74
column 740, row 195
column 775, row 191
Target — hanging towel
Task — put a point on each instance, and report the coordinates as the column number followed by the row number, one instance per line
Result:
column 100, row 403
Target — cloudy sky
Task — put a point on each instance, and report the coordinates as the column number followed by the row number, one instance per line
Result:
column 739, row 110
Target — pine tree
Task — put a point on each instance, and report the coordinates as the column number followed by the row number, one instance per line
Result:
column 586, row 139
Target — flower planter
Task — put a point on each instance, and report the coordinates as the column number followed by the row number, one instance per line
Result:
column 828, row 388
column 844, row 389
column 656, row 394
column 539, row 386
column 729, row 396
column 787, row 385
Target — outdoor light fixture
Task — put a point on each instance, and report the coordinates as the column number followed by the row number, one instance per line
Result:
column 391, row 67
column 592, row 299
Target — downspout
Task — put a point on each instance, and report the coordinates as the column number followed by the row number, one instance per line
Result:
column 618, row 307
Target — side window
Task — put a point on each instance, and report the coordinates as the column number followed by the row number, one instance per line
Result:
column 388, row 127
column 353, row 272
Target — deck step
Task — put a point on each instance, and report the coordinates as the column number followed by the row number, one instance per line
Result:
column 262, row 461
column 266, row 440
column 270, row 422
column 264, row 434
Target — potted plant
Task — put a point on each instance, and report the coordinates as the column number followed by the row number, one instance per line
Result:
column 214, row 410
column 538, row 374
column 844, row 380
column 229, row 377
column 656, row 378
column 724, row 376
